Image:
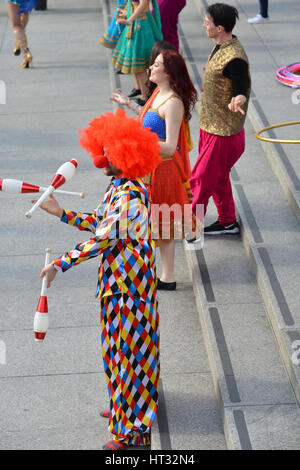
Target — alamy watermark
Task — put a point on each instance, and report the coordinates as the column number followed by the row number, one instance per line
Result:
column 2, row 353
column 296, row 354
column 2, row 92
column 167, row 222
column 296, row 96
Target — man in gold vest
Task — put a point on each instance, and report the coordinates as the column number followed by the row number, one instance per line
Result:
column 224, row 102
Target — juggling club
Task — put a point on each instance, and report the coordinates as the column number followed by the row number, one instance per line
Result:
column 41, row 318
column 13, row 186
column 63, row 174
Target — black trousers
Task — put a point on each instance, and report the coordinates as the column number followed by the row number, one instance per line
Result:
column 263, row 5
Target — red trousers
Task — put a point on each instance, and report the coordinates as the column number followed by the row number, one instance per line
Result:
column 169, row 12
column 211, row 173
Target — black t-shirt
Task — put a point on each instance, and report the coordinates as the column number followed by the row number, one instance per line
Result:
column 237, row 72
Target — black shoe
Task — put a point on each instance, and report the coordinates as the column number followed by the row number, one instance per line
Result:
column 161, row 285
column 140, row 102
column 134, row 92
column 192, row 238
column 119, row 72
column 218, row 229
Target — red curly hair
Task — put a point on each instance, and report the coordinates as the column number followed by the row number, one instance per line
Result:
column 128, row 145
column 180, row 81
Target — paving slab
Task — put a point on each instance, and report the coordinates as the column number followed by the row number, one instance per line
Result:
column 265, row 427
column 49, row 412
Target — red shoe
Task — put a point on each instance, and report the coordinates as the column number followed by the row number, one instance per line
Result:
column 115, row 445
column 105, row 413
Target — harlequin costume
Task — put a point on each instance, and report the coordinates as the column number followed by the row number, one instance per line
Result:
column 222, row 137
column 169, row 182
column 127, row 276
column 114, row 31
column 169, row 13
column 133, row 51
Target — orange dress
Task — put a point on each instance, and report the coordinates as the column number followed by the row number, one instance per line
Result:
column 168, row 185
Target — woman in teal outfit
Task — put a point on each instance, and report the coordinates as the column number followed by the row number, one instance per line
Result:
column 133, row 51
column 18, row 13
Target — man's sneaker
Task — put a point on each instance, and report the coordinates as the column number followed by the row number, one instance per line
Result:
column 258, row 19
column 218, row 229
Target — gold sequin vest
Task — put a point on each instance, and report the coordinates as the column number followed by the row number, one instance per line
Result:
column 215, row 117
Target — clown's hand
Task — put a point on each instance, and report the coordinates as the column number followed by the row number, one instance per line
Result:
column 236, row 103
column 49, row 272
column 51, row 206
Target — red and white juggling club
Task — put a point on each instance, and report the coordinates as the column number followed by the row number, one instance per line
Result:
column 13, row 186
column 63, row 174
column 41, row 318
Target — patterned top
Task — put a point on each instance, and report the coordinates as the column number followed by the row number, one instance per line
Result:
column 215, row 116
column 122, row 237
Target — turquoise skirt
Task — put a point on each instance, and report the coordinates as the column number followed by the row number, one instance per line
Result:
column 114, row 31
column 133, row 51
column 17, row 2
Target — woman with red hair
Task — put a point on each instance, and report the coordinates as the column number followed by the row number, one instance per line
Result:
column 167, row 113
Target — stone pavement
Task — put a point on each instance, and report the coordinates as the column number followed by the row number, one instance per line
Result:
column 227, row 334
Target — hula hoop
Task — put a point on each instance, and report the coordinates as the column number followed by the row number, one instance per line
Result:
column 281, row 141
column 289, row 75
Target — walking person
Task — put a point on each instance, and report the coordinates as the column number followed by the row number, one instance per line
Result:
column 18, row 13
column 167, row 114
column 133, row 50
column 262, row 16
column 225, row 97
column 127, row 275
column 169, row 13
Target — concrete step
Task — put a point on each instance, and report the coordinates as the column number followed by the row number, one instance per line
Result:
column 256, row 399
column 225, row 290
column 188, row 416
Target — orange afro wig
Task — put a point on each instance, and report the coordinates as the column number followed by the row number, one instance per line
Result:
column 128, row 145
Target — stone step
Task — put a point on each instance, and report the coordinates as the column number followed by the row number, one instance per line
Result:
column 255, row 395
column 188, row 416
column 264, row 243
column 243, row 289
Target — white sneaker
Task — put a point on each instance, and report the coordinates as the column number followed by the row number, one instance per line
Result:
column 258, row 19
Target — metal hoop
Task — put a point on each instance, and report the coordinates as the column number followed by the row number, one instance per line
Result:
column 281, row 141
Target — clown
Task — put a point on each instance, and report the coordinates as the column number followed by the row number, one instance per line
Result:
column 127, row 276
